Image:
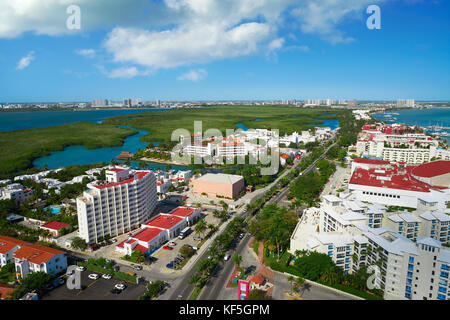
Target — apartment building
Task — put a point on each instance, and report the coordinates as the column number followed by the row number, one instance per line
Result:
column 122, row 203
column 16, row 192
column 403, row 223
column 409, row 270
column 434, row 224
column 31, row 258
column 231, row 149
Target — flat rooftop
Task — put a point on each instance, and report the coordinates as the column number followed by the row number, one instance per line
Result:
column 220, row 178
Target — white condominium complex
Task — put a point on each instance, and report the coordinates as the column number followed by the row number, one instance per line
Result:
column 123, row 203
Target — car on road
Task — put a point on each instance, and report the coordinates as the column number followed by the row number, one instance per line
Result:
column 94, row 247
column 106, row 276
column 93, row 276
column 167, row 247
column 241, row 235
column 194, row 248
column 227, row 257
column 80, row 268
column 136, row 267
column 115, row 291
column 170, row 265
column 49, row 287
column 59, row 282
column 120, row 286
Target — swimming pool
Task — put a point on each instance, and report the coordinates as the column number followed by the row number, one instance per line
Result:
column 54, row 210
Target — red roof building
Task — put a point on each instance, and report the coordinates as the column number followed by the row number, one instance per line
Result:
column 432, row 169
column 36, row 253
column 8, row 243
column 164, row 221
column 55, row 225
column 5, row 292
column 147, row 234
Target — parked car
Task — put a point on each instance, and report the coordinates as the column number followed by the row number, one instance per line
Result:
column 197, row 238
column 167, row 247
column 94, row 247
column 93, row 276
column 170, row 265
column 241, row 235
column 137, row 267
column 113, row 240
column 227, row 257
column 171, row 243
column 106, row 276
column 194, row 248
column 80, row 268
column 120, row 286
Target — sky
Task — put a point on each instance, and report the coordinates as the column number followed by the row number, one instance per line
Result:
column 180, row 50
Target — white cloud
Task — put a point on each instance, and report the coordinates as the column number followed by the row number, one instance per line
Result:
column 124, row 72
column 193, row 75
column 322, row 17
column 25, row 61
column 172, row 33
column 276, row 44
column 87, row 53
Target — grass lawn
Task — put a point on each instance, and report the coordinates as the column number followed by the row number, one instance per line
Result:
column 194, row 295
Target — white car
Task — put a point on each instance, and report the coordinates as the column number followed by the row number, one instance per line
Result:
column 106, row 276
column 94, row 276
column 171, row 243
column 120, row 286
column 81, row 268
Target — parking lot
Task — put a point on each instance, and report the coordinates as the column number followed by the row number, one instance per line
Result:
column 166, row 256
column 99, row 289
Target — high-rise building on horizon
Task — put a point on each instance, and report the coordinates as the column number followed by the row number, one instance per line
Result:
column 408, row 103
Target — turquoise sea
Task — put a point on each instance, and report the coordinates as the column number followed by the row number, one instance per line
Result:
column 420, row 117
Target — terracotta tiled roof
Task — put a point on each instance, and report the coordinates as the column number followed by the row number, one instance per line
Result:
column 36, row 253
column 8, row 243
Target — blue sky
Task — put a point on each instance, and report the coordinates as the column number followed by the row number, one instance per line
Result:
column 224, row 50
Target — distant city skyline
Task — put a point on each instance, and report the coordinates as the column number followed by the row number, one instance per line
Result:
column 211, row 51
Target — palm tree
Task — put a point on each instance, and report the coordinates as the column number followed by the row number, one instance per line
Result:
column 200, row 227
column 300, row 282
column 194, row 279
column 330, row 276
column 237, row 259
column 291, row 282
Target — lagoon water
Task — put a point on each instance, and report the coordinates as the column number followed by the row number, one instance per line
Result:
column 38, row 119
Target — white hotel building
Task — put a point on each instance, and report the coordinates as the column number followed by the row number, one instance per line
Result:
column 425, row 187
column 123, row 203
